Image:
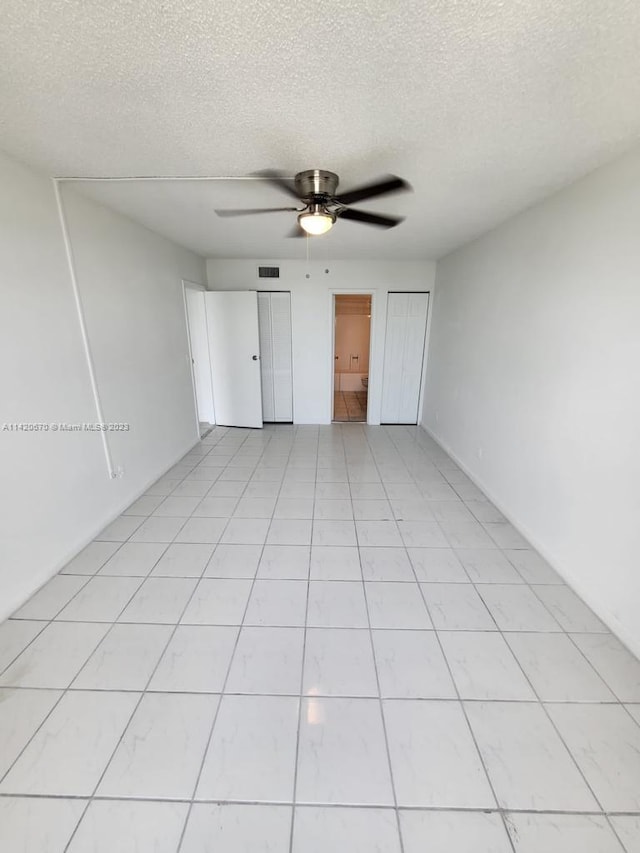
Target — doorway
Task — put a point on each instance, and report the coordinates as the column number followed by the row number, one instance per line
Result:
column 194, row 296
column 351, row 346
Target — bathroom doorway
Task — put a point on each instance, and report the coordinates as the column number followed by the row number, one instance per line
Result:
column 351, row 345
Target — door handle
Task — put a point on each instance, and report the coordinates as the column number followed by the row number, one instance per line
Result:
column 255, row 357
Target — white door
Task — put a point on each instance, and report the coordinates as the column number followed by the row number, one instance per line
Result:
column 199, row 345
column 403, row 357
column 234, row 347
column 274, row 316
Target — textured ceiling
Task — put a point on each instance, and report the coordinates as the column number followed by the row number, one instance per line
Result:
column 484, row 106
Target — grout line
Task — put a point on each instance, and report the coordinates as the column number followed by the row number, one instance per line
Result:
column 613, row 829
column 379, row 697
column 323, row 805
column 346, row 695
column 465, row 583
column 302, row 671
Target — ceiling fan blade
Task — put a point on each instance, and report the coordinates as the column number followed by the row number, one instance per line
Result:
column 389, row 184
column 249, row 211
column 280, row 180
column 371, row 218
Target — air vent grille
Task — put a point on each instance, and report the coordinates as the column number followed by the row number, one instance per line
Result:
column 268, row 272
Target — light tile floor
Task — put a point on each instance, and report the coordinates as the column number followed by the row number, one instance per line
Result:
column 315, row 639
column 350, row 406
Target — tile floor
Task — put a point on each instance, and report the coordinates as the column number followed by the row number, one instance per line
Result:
column 350, row 406
column 315, row 639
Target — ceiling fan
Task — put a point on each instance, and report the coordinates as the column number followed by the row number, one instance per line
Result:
column 316, row 190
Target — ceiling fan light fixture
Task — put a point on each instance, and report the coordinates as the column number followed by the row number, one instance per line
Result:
column 316, row 220
column 316, row 190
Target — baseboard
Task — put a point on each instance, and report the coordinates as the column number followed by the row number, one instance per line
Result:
column 609, row 619
column 10, row 607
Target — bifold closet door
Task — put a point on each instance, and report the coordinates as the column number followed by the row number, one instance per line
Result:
column 234, row 347
column 274, row 315
column 403, row 357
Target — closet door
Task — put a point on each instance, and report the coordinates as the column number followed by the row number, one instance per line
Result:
column 274, row 314
column 403, row 357
column 232, row 323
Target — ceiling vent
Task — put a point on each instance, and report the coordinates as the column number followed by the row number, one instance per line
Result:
column 268, row 272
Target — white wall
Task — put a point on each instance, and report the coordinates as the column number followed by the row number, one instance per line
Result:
column 56, row 494
column 312, row 320
column 534, row 381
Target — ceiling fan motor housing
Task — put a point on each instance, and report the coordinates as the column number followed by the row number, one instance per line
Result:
column 316, row 182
